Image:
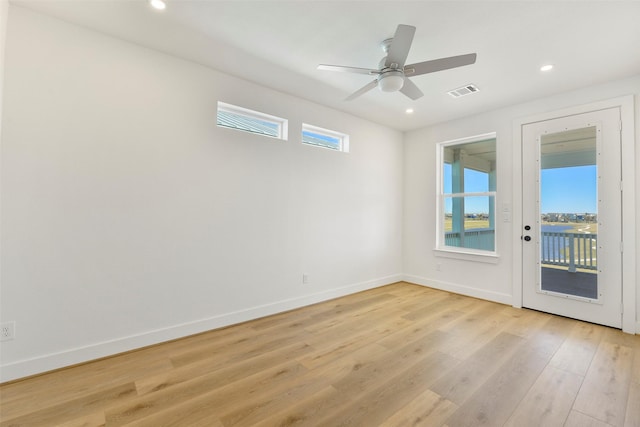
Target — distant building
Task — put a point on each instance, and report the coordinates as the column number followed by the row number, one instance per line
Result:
column 569, row 217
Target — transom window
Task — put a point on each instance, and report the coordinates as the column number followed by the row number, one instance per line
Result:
column 466, row 194
column 326, row 138
column 243, row 119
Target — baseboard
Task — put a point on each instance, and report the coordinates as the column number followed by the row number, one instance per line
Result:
column 49, row 362
column 499, row 297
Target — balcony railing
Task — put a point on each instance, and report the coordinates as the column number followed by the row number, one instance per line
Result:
column 480, row 238
column 572, row 250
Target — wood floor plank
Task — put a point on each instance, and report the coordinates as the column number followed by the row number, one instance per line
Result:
column 225, row 372
column 259, row 405
column 549, row 401
column 577, row 351
column 203, row 390
column 378, row 324
column 427, row 409
column 497, row 398
column 96, row 419
column 578, row 419
column 373, row 405
column 397, row 355
column 450, row 302
column 374, row 372
column 472, row 339
column 71, row 410
column 74, row 383
column 331, row 349
column 322, row 319
column 475, row 315
column 607, row 380
column 409, row 290
column 548, row 338
column 528, row 322
column 459, row 384
column 342, row 312
column 632, row 416
column 430, row 304
column 635, row 371
column 185, row 414
column 419, row 328
column 309, row 411
column 241, row 349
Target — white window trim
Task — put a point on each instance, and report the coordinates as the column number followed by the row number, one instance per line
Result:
column 282, row 124
column 343, row 137
column 441, row 249
column 467, row 254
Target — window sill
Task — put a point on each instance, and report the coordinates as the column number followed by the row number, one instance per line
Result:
column 489, row 257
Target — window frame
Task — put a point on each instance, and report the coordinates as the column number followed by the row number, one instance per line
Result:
column 441, row 249
column 281, row 124
column 343, row 138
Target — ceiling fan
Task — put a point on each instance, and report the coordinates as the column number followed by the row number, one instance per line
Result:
column 392, row 74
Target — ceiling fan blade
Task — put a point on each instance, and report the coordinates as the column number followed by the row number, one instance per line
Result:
column 362, row 90
column 439, row 64
column 410, row 89
column 342, row 69
column 399, row 49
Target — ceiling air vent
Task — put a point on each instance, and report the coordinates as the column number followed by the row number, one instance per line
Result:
column 464, row 90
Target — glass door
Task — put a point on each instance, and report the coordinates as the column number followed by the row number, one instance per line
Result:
column 572, row 219
column 569, row 213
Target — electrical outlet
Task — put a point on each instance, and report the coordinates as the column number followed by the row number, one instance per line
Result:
column 305, row 278
column 7, row 331
column 438, row 267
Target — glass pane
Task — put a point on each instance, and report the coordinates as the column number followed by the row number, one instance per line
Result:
column 315, row 138
column 447, row 178
column 568, row 213
column 475, row 181
column 469, row 167
column 468, row 223
column 248, row 124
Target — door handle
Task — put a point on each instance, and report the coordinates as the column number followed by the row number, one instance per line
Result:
column 527, row 238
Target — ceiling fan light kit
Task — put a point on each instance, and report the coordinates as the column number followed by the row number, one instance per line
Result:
column 391, row 81
column 392, row 73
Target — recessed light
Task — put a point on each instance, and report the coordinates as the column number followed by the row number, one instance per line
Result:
column 158, row 4
column 547, row 67
column 409, row 110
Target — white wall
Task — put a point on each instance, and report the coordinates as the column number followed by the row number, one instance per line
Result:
column 129, row 218
column 484, row 280
column 4, row 13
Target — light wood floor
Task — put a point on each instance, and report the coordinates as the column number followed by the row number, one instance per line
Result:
column 400, row 355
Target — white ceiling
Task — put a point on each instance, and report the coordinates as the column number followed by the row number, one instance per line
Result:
column 279, row 44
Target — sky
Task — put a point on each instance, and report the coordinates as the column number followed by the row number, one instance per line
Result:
column 474, row 182
column 564, row 190
column 569, row 190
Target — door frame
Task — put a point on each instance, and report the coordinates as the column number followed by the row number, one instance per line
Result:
column 628, row 274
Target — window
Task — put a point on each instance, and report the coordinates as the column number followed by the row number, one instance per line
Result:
column 466, row 195
column 230, row 116
column 333, row 140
